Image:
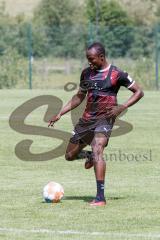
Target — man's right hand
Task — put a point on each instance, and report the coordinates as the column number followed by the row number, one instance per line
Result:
column 53, row 120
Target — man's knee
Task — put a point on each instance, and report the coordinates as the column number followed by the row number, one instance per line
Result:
column 97, row 151
column 69, row 156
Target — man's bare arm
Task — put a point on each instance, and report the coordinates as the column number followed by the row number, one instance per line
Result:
column 76, row 100
column 136, row 96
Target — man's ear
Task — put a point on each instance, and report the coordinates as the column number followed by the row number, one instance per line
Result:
column 102, row 57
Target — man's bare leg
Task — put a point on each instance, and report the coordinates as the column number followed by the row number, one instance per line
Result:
column 99, row 142
column 72, row 151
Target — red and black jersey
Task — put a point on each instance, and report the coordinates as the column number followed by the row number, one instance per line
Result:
column 102, row 87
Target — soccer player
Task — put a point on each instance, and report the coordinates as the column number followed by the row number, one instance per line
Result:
column 101, row 82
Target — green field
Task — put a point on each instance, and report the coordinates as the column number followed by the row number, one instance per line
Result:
column 132, row 186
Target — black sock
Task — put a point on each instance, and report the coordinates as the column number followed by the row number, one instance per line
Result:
column 84, row 154
column 100, row 190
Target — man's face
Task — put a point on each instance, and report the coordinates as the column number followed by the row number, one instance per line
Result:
column 95, row 60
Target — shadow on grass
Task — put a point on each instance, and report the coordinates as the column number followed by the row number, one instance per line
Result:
column 82, row 198
column 116, row 198
column 79, row 198
column 90, row 198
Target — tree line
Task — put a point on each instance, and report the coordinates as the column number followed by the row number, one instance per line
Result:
column 64, row 29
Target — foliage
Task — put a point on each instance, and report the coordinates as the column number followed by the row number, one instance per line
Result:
column 143, row 12
column 61, row 26
column 58, row 30
column 63, row 30
column 117, row 30
column 13, row 69
column 143, row 42
column 115, row 26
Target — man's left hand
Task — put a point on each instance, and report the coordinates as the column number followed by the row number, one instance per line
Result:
column 114, row 111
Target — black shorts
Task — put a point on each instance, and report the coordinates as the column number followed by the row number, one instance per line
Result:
column 85, row 131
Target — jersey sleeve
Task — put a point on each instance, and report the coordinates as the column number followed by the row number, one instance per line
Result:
column 81, row 84
column 125, row 80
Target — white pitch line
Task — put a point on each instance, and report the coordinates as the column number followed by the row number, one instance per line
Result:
column 71, row 232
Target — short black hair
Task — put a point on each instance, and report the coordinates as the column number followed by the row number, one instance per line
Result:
column 100, row 49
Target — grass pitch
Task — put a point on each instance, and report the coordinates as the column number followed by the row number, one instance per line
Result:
column 132, row 185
